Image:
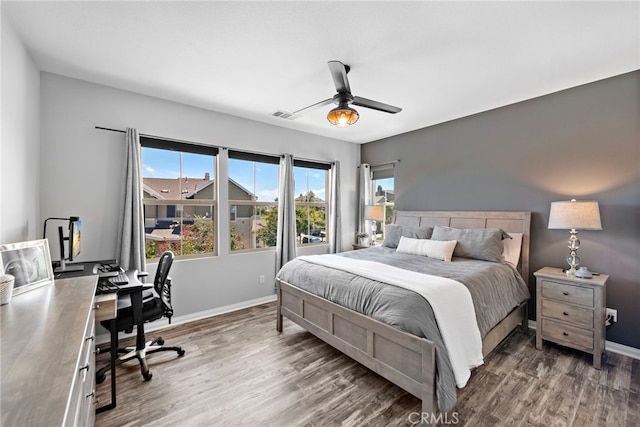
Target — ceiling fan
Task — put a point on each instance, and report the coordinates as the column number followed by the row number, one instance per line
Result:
column 343, row 115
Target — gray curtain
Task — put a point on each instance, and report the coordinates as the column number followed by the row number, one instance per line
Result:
column 286, row 242
column 365, row 196
column 335, row 235
column 131, row 236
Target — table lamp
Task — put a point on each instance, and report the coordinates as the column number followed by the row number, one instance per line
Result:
column 374, row 213
column 574, row 215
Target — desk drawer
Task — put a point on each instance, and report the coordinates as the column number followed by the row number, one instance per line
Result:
column 106, row 307
column 579, row 316
column 570, row 336
column 567, row 293
column 81, row 411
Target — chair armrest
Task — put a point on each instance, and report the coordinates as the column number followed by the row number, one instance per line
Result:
column 133, row 287
column 143, row 274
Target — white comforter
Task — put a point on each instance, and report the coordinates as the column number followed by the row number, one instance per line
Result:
column 450, row 300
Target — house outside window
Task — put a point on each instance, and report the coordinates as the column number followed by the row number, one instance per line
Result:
column 179, row 197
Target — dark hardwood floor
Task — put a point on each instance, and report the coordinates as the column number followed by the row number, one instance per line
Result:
column 238, row 371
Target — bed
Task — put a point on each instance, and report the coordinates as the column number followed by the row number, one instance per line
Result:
column 406, row 359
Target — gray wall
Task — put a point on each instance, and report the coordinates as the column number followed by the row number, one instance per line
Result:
column 20, row 141
column 581, row 143
column 82, row 174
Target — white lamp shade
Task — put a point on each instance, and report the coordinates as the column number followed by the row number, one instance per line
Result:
column 374, row 212
column 579, row 215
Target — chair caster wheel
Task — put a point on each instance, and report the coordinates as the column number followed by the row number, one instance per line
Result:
column 181, row 352
column 100, row 377
column 160, row 341
column 147, row 376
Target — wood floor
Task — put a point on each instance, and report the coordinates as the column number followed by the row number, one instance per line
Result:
column 238, row 371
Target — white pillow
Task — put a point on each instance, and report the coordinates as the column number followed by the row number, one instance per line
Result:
column 438, row 249
column 511, row 248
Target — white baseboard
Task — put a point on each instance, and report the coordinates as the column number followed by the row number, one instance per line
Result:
column 104, row 338
column 613, row 347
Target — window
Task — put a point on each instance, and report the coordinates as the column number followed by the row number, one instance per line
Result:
column 179, row 197
column 312, row 182
column 253, row 200
column 383, row 194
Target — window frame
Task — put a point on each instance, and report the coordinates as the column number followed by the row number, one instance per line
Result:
column 184, row 147
column 255, row 158
column 382, row 172
column 326, row 167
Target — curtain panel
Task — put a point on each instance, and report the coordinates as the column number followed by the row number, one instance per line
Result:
column 286, row 241
column 132, row 234
column 365, row 196
column 335, row 234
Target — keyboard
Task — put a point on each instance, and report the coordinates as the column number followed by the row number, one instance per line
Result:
column 106, row 270
column 106, row 287
column 120, row 279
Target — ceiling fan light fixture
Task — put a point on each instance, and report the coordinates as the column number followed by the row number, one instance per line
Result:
column 343, row 116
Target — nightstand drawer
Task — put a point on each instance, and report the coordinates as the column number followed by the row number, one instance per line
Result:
column 567, row 335
column 578, row 316
column 567, row 293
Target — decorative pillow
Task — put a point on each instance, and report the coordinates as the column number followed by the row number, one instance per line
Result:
column 477, row 243
column 437, row 249
column 393, row 232
column 511, row 249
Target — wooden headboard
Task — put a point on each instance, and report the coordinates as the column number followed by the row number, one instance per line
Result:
column 509, row 221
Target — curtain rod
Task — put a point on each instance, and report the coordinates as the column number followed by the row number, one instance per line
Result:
column 159, row 137
column 391, row 162
column 223, row 148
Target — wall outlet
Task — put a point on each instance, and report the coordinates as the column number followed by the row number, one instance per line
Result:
column 262, row 279
column 612, row 315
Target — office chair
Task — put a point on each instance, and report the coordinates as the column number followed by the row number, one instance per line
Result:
column 155, row 305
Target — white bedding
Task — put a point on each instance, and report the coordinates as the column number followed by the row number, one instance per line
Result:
column 450, row 300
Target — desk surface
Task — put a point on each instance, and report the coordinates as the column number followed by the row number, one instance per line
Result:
column 41, row 332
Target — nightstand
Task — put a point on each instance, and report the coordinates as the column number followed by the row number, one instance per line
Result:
column 357, row 246
column 571, row 311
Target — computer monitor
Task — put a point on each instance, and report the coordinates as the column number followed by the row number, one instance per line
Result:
column 74, row 239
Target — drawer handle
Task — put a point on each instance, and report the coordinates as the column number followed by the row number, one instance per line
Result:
column 85, row 367
column 96, row 306
column 93, row 393
column 565, row 313
column 90, row 338
column 566, row 334
column 565, row 293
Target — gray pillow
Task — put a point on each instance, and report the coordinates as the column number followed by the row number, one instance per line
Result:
column 393, row 232
column 477, row 243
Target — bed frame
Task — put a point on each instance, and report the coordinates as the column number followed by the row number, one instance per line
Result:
column 404, row 359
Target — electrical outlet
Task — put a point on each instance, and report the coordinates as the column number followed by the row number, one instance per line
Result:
column 612, row 315
column 262, row 279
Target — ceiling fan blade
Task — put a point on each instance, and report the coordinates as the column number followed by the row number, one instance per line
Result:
column 304, row 110
column 339, row 75
column 375, row 105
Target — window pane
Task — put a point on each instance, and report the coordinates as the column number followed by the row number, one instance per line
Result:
column 253, row 225
column 189, row 232
column 383, row 194
column 311, row 205
column 179, row 194
column 311, row 224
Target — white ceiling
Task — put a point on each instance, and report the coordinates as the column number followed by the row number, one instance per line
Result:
column 437, row 60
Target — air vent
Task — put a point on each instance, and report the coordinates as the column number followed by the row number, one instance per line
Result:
column 284, row 115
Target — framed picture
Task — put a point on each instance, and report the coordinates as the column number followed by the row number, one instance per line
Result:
column 29, row 262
